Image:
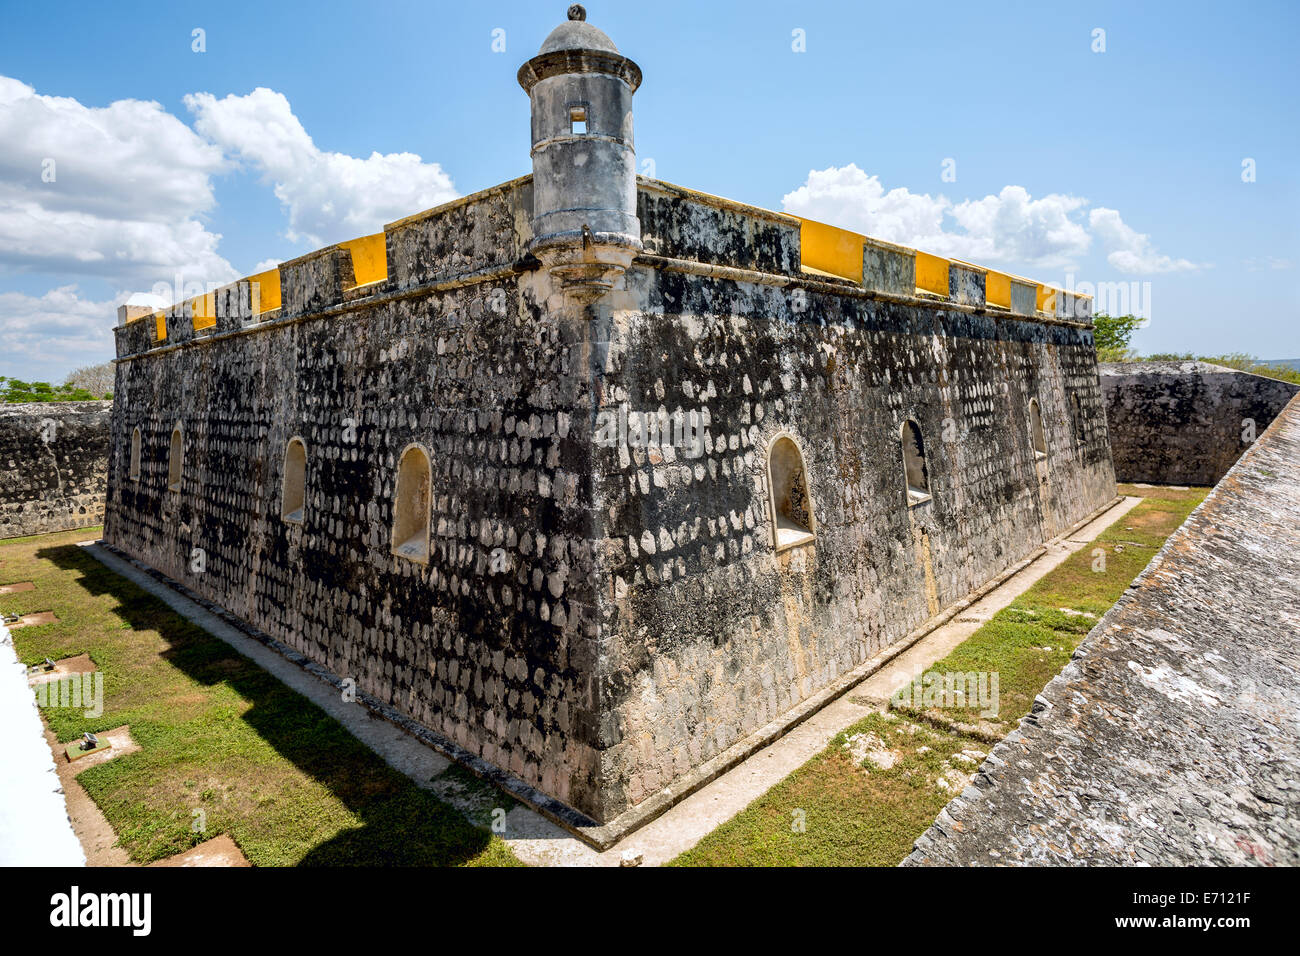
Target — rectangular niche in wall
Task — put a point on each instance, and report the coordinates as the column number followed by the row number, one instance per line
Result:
column 175, row 457
column 914, row 468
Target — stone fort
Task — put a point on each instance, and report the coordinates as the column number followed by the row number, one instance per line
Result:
column 600, row 480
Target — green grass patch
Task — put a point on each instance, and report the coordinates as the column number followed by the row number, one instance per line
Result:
column 853, row 811
column 219, row 735
column 879, row 784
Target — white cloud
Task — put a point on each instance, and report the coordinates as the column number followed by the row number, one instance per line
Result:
column 329, row 196
column 1131, row 250
column 48, row 335
column 847, row 197
column 1011, row 227
column 122, row 193
column 129, row 183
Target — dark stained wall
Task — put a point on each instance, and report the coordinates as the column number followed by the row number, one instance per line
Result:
column 53, row 460
column 1185, row 423
column 595, row 618
column 710, row 631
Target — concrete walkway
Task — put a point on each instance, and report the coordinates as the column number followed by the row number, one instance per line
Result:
column 34, row 825
column 538, row 841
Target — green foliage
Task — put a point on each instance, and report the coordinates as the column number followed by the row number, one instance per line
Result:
column 14, row 391
column 1248, row 363
column 1112, row 333
column 1238, row 360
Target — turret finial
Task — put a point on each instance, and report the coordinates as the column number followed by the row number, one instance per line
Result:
column 577, row 12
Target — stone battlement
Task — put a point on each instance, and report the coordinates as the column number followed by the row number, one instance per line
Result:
column 485, row 236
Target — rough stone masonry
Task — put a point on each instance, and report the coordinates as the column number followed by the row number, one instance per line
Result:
column 1171, row 738
column 55, row 463
column 593, row 475
column 1185, row 423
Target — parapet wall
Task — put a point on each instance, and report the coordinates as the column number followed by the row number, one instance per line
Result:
column 1185, row 423
column 462, row 242
column 486, row 235
column 685, row 224
column 55, row 462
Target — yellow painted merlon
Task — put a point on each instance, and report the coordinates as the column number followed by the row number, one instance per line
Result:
column 1046, row 292
column 160, row 326
column 824, row 248
column 203, row 311
column 369, row 258
column 931, row 274
column 264, row 288
column 997, row 289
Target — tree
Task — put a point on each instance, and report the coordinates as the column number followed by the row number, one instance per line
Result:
column 95, row 379
column 14, row 390
column 1112, row 333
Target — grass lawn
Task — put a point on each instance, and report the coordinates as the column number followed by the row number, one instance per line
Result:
column 219, row 734
column 880, row 783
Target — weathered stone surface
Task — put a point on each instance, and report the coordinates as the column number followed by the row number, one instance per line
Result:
column 600, row 615
column 966, row 284
column 888, row 268
column 708, row 632
column 682, row 224
column 645, row 622
column 54, row 458
column 1171, row 738
column 1185, row 423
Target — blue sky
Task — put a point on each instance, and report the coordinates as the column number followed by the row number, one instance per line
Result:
column 1122, row 166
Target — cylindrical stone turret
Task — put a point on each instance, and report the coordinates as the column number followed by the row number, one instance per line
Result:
column 585, row 229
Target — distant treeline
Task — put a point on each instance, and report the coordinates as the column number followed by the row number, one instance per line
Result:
column 1112, row 333
column 13, row 391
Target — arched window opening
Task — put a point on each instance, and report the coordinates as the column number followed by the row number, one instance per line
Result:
column 914, row 469
column 1036, row 429
column 134, row 470
column 792, row 512
column 294, row 490
column 411, row 506
column 175, row 458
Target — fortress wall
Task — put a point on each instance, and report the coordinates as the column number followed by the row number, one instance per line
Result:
column 711, row 632
column 589, row 666
column 54, row 457
column 500, row 661
column 684, row 224
column 1185, row 423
